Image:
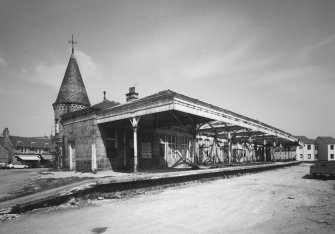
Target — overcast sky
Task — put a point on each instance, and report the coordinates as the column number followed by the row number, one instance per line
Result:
column 267, row 59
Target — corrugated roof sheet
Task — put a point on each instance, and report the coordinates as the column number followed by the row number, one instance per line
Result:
column 72, row 89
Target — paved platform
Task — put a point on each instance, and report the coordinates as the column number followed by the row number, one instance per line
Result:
column 129, row 181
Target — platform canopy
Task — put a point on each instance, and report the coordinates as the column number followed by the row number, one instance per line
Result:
column 240, row 134
column 173, row 109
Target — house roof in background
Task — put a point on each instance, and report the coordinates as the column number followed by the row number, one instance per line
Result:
column 327, row 139
column 306, row 140
column 30, row 142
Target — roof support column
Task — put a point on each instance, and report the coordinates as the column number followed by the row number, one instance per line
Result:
column 93, row 147
column 134, row 122
column 71, row 152
column 124, row 145
column 264, row 149
column 273, row 150
column 194, row 139
column 94, row 157
column 256, row 152
column 249, row 149
column 229, row 146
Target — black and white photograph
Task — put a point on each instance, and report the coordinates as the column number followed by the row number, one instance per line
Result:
column 167, row 116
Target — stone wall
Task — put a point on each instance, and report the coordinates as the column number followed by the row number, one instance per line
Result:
column 3, row 154
column 85, row 132
column 80, row 134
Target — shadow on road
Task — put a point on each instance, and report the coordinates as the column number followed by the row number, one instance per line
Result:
column 318, row 177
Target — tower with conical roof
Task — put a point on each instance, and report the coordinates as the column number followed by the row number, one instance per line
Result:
column 72, row 94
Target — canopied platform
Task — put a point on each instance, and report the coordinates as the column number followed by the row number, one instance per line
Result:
column 222, row 128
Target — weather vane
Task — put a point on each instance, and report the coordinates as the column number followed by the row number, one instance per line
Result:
column 72, row 42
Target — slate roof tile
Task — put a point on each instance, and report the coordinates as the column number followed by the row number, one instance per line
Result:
column 72, row 89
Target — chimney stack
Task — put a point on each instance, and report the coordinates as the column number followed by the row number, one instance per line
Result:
column 132, row 95
column 6, row 133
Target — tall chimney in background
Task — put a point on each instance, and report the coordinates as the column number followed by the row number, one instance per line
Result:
column 132, row 95
column 8, row 145
column 6, row 133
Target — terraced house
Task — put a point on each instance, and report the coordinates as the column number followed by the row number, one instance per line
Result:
column 31, row 151
column 326, row 148
column 165, row 129
column 309, row 151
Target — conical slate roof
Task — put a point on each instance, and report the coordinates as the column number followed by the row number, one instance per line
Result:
column 72, row 89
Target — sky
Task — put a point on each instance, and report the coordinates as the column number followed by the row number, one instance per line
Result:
column 270, row 60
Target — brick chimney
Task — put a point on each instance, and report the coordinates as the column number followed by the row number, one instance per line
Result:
column 132, row 95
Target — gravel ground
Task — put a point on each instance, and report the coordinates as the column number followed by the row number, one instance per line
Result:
column 19, row 182
column 280, row 201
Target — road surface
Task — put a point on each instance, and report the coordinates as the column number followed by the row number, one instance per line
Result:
column 279, row 201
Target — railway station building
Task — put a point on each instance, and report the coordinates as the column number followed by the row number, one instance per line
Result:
column 163, row 130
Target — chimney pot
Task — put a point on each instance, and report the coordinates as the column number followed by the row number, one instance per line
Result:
column 132, row 95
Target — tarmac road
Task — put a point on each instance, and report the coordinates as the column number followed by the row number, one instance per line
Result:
column 278, row 201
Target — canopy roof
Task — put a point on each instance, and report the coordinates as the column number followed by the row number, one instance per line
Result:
column 177, row 109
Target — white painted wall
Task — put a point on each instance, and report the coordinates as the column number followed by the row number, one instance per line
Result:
column 331, row 152
column 303, row 152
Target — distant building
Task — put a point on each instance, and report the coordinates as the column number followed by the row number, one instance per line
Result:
column 326, row 148
column 31, row 151
column 308, row 152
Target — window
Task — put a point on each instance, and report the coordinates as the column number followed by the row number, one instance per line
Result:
column 331, row 147
column 309, row 147
column 301, row 156
column 111, row 144
column 309, row 156
column 331, row 156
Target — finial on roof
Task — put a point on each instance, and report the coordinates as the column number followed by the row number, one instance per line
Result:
column 104, row 95
column 72, row 42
